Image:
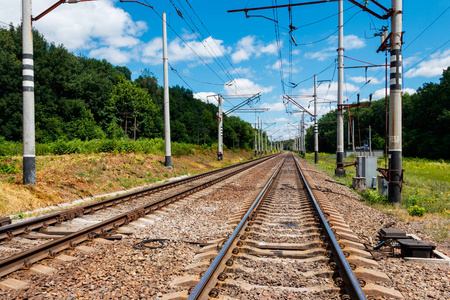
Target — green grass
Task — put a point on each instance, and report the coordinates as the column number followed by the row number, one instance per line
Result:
column 143, row 146
column 427, row 182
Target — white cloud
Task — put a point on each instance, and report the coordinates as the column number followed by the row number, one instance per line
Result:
column 277, row 65
column 270, row 49
column 152, row 51
column 240, row 71
column 113, row 55
column 276, row 106
column 89, row 24
column 246, row 86
column 280, row 120
column 203, row 96
column 379, row 94
column 180, row 51
column 99, row 27
column 432, row 67
column 322, row 54
column 249, row 46
column 327, row 90
column 245, row 48
column 350, row 42
column 362, row 79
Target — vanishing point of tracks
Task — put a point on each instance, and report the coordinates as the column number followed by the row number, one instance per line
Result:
column 285, row 244
column 25, row 243
column 290, row 244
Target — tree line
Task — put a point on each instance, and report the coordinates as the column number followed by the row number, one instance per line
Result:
column 77, row 97
column 426, row 123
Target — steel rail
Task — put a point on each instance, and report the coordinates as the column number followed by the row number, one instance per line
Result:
column 9, row 231
column 352, row 285
column 208, row 280
column 49, row 250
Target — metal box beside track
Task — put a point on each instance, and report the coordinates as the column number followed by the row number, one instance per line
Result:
column 368, row 168
column 415, row 248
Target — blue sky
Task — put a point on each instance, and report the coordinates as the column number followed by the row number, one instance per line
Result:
column 215, row 52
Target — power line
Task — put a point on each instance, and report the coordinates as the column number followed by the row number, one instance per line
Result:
column 428, row 55
column 318, row 41
column 209, row 67
column 426, row 28
column 216, row 57
column 277, row 37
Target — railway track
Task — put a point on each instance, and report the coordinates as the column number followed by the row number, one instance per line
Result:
column 25, row 243
column 289, row 244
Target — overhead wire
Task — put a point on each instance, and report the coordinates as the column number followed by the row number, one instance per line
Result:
column 434, row 51
column 187, row 45
column 321, row 40
column 206, row 44
column 434, row 21
column 218, row 46
column 278, row 41
column 202, row 42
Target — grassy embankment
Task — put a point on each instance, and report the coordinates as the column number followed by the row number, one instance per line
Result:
column 68, row 171
column 426, row 190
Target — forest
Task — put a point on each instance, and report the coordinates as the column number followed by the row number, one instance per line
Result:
column 84, row 98
column 426, row 123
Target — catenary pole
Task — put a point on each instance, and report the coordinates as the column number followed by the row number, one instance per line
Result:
column 168, row 160
column 256, row 141
column 265, row 140
column 219, row 129
column 340, row 171
column 303, row 134
column 29, row 149
column 395, row 106
column 316, row 125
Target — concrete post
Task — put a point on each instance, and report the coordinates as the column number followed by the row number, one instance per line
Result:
column 220, row 130
column 256, row 139
column 29, row 148
column 265, row 139
column 395, row 106
column 303, row 134
column 168, row 160
column 340, row 171
column 260, row 137
column 316, row 125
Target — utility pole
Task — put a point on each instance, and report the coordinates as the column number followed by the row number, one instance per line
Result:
column 256, row 141
column 260, row 137
column 168, row 160
column 316, row 125
column 395, row 106
column 265, row 139
column 219, row 130
column 29, row 149
column 340, row 171
column 303, row 134
column 29, row 137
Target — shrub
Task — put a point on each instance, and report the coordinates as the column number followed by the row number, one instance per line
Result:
column 416, row 210
column 373, row 197
column 8, row 166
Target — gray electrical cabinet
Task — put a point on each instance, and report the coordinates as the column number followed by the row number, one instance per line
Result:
column 368, row 169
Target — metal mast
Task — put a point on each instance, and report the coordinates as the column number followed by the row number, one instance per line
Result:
column 340, row 171
column 395, row 106
column 29, row 149
column 168, row 160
